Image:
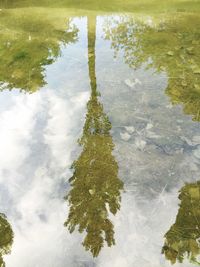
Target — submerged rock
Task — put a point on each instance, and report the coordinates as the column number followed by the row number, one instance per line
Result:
column 196, row 139
column 152, row 135
column 197, row 152
column 125, row 136
column 130, row 129
column 140, row 144
column 149, row 126
column 132, row 84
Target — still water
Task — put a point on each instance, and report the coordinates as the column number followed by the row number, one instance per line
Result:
column 100, row 134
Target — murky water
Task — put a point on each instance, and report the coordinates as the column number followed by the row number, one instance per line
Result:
column 100, row 135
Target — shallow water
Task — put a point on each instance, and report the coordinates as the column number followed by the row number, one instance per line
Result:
column 111, row 100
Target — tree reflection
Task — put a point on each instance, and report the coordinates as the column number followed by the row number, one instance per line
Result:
column 28, row 43
column 6, row 238
column 183, row 238
column 95, row 184
column 171, row 45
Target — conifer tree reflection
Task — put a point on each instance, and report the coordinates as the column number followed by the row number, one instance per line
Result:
column 95, row 184
column 6, row 238
column 183, row 238
column 171, row 45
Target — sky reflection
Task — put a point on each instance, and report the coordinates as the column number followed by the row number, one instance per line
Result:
column 39, row 143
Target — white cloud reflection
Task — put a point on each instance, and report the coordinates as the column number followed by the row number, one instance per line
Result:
column 139, row 230
column 37, row 140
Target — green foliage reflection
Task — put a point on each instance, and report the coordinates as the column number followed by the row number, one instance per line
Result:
column 171, row 45
column 6, row 238
column 95, row 184
column 183, row 239
column 29, row 41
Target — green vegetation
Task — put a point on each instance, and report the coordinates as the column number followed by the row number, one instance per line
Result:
column 183, row 239
column 171, row 45
column 6, row 238
column 146, row 6
column 95, row 183
column 29, row 41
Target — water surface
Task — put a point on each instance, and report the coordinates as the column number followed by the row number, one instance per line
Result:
column 100, row 143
